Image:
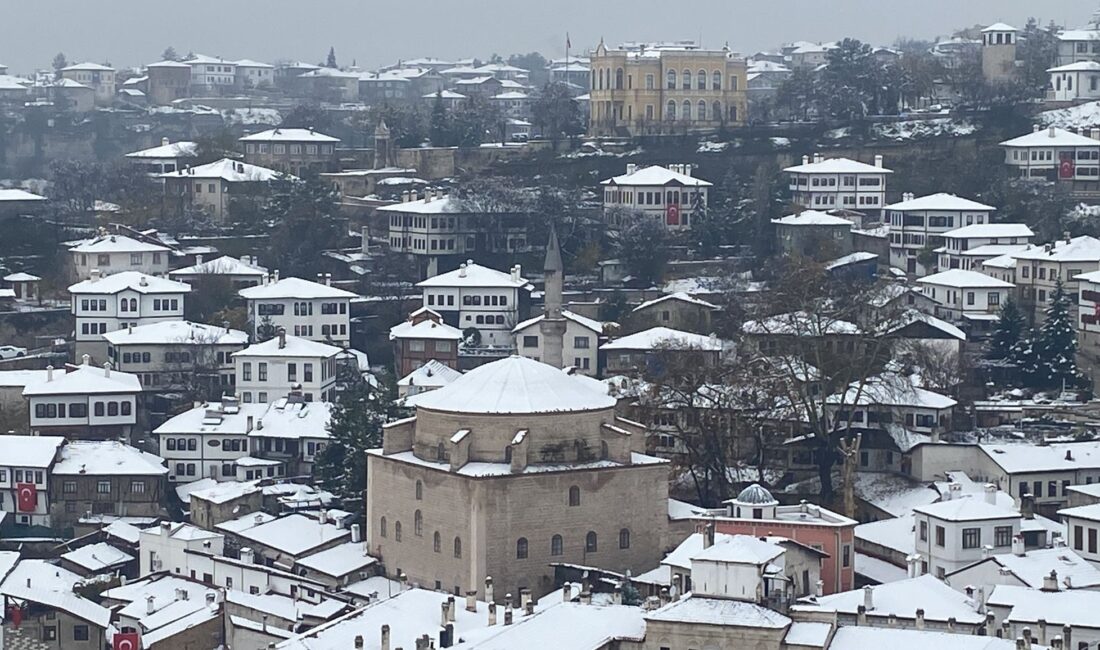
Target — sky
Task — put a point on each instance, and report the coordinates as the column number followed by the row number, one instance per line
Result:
column 133, row 32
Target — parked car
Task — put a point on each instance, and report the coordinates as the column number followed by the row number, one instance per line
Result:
column 11, row 352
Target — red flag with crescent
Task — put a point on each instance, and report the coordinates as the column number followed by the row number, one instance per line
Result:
column 26, row 495
column 15, row 612
column 672, row 215
column 1066, row 168
column 125, row 641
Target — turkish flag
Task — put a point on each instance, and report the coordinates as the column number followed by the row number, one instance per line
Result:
column 15, row 612
column 672, row 215
column 26, row 496
column 1066, row 167
column 125, row 641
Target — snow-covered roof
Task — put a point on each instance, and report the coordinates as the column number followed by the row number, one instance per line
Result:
column 656, row 338
column 1079, row 66
column 564, row 625
column 437, row 205
column 1006, row 261
column 512, row 94
column 588, row 323
column 249, row 63
column 678, row 296
column 425, row 329
column 940, row 602
column 1051, row 137
column 1079, row 35
column 195, row 420
column 514, row 385
column 740, row 549
column 1055, row 457
column 861, row 638
column 293, row 534
column 203, row 58
column 445, row 94
column 1000, row 27
column 177, row 332
column 339, row 561
column 106, row 457
column 13, row 195
column 86, row 380
column 296, row 420
column 21, row 277
column 1076, row 608
column 199, row 614
column 294, row 347
column 990, row 230
column 14, row 378
column 965, row 279
column 30, row 451
column 38, row 581
column 813, row 218
column 224, row 491
column 128, row 281
column 655, row 175
column 168, row 64
column 851, row 258
column 911, row 316
column 719, row 611
column 989, row 250
column 285, row 607
column 474, row 275
column 940, row 202
column 837, row 166
column 433, row 374
column 1035, row 565
column 966, row 508
column 87, row 67
column 1090, row 511
column 97, row 557
column 229, row 170
column 891, row 390
column 117, row 244
column 294, row 288
column 225, row 265
column 247, row 521
column 1077, row 249
column 289, row 135
column 800, row 323
column 171, row 150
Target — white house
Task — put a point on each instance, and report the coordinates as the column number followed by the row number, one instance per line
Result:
column 123, row 300
column 25, row 477
column 177, row 353
column 581, row 341
column 206, row 441
column 1054, row 154
column 209, row 187
column 167, row 157
column 962, row 295
column 253, row 74
column 86, row 401
column 1039, row 268
column 98, row 77
column 1088, row 317
column 292, row 432
column 1002, row 267
column 111, row 254
column 1082, row 528
column 969, row 247
column 479, row 297
column 951, row 534
column 827, row 183
column 270, row 370
column 210, row 74
column 1075, row 81
column 917, row 224
column 240, row 273
column 165, row 546
column 311, row 310
column 669, row 195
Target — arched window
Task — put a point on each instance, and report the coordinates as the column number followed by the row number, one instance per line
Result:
column 590, row 545
column 521, row 548
column 574, row 496
column 670, row 78
column 687, row 110
column 418, row 524
column 508, row 454
column 441, row 451
column 382, row 527
column 670, row 110
column 397, row 531
column 733, row 113
column 702, row 115
column 125, row 305
column 716, row 80
column 419, row 491
column 133, row 304
column 604, row 453
column 458, row 547
column 701, row 80
column 601, row 78
column 716, row 111
column 686, row 74
column 624, row 538
column 556, row 545
column 618, row 79
column 437, row 542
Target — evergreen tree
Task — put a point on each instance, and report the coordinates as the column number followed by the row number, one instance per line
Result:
column 59, row 61
column 330, row 62
column 1008, row 331
column 306, row 221
column 439, row 126
column 169, row 54
column 1057, row 341
column 1025, row 355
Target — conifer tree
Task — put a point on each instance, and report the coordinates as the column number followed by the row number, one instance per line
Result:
column 1008, row 331
column 1057, row 342
column 331, row 61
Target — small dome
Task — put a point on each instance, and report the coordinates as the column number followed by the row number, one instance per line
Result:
column 756, row 494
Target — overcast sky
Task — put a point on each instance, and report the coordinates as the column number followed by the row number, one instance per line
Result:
column 132, row 32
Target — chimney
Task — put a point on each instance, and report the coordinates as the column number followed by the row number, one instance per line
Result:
column 356, row 536
column 951, row 624
column 708, row 534
column 385, row 645
column 492, row 614
column 49, row 373
column 819, row 588
column 1067, row 637
column 529, row 610
column 1034, row 128
column 489, row 590
column 328, row 279
column 664, row 596
column 616, row 595
column 281, row 333
column 861, row 616
column 1050, row 582
column 508, row 614
column 86, row 360
column 275, row 276
column 107, row 369
column 94, row 275
column 164, row 142
column 143, row 281
column 248, row 556
column 1026, row 633
column 567, row 592
column 524, row 597
column 248, row 424
column 920, row 619
column 447, row 636
column 586, row 596
column 471, row 601
column 451, row 606
column 443, row 614
column 817, row 158
column 631, row 168
column 1027, row 506
column 150, row 604
column 1042, row 631
column 1018, row 545
column 1050, row 132
column 462, row 270
column 878, row 160
column 868, row 598
column 805, row 160
column 987, row 630
column 357, row 643
column 515, row 273
column 987, row 551
column 991, row 494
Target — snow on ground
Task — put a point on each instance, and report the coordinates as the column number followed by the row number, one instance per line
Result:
column 780, row 143
column 920, row 129
column 252, row 116
column 712, row 147
column 838, row 134
column 1082, row 116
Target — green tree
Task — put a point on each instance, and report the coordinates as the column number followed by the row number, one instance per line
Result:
column 643, row 248
column 213, row 147
column 306, row 222
column 439, row 127
column 308, row 116
column 1006, row 335
column 330, row 62
column 536, row 65
column 1057, row 341
column 1037, row 52
column 169, row 54
column 556, row 112
column 59, row 62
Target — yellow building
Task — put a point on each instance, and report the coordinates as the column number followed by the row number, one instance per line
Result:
column 641, row 89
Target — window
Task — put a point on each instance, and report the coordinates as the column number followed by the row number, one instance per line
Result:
column 418, row 524
column 458, row 547
column 382, row 527
column 687, row 80
column 1092, row 540
column 624, row 538
column 137, row 487
column 556, row 545
column 993, row 298
column 103, row 487
column 521, row 548
column 581, row 342
column 1002, row 536
column 69, row 487
column 261, row 369
column 972, row 537
column 670, row 110
column 397, row 531
column 941, row 535
column 80, row 633
column 135, row 259
column 716, row 80
column 924, row 531
column 437, row 542
column 590, row 542
column 246, row 371
column 530, row 341
column 574, row 496
column 670, row 78
column 687, row 110
column 419, row 490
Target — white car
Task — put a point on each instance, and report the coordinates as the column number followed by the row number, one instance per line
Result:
column 11, row 352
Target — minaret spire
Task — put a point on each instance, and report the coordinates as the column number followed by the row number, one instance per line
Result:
column 553, row 324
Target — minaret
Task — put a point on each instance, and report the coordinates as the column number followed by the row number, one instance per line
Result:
column 383, row 155
column 553, row 324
